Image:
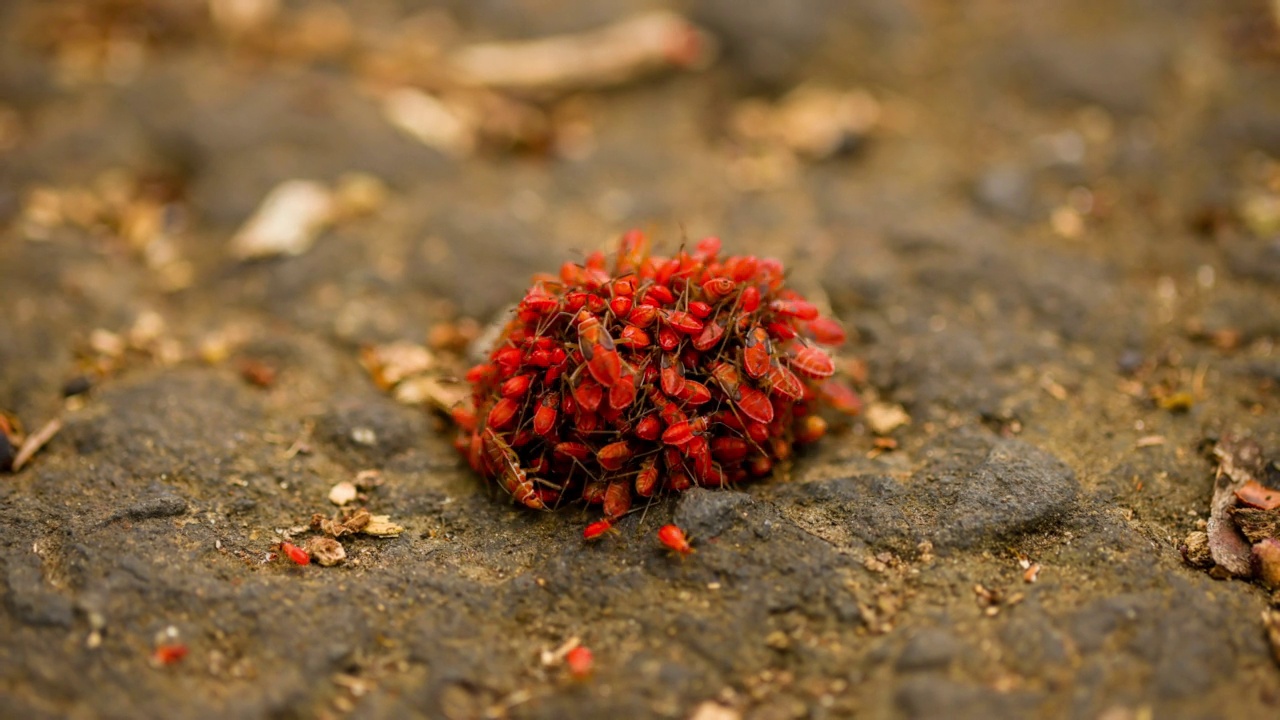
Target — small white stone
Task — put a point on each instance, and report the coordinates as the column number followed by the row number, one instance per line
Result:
column 342, row 493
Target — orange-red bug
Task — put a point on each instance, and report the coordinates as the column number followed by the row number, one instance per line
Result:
column 588, row 394
column 597, row 529
column 782, row 381
column 169, row 653
column 648, row 428
column 617, row 499
column 598, row 349
column 682, row 432
column 506, row 463
column 682, row 321
column 623, row 393
column 841, row 397
column 642, row 316
column 674, row 539
column 647, row 478
column 614, row 455
column 694, row 393
column 502, row 413
column 729, row 449
column 799, row 309
column 295, row 553
column 544, row 418
column 672, row 375
column 811, row 429
column 757, row 352
column 634, row 338
column 719, row 287
column 812, row 362
column 755, row 405
column 580, row 662
column 827, row 331
column 711, row 334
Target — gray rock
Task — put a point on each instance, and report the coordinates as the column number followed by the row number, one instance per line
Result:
column 369, row 430
column 1006, row 190
column 704, row 513
column 979, row 488
column 1013, row 489
column 930, row 649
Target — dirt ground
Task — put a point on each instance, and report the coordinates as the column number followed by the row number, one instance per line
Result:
column 1058, row 243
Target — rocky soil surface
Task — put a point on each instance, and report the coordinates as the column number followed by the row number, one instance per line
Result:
column 1056, row 232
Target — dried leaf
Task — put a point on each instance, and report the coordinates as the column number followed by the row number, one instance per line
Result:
column 1236, row 458
column 611, row 55
column 287, row 221
column 1195, row 550
column 1253, row 493
column 326, row 551
column 381, row 526
column 1257, row 524
column 34, row 442
column 1266, row 563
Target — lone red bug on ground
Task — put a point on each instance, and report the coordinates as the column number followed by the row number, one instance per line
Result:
column 580, row 662
column 674, row 538
column 628, row 376
column 169, row 653
column 295, row 553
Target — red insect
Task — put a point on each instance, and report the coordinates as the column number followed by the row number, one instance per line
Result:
column 682, row 321
column 682, row 433
column 599, row 350
column 504, row 460
column 755, row 405
column 502, row 413
column 694, row 393
column 648, row 428
column 647, row 478
column 672, row 375
column 597, row 529
column 827, row 331
column 757, row 353
column 295, row 553
column 617, row 499
column 674, row 539
column 580, row 661
column 710, row 335
column 588, row 395
column 813, row 363
column 634, row 338
column 623, row 393
column 169, row 653
column 614, row 455
column 544, row 418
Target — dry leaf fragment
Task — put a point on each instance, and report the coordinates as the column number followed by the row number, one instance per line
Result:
column 1255, row 494
column 1237, row 459
column 884, row 418
column 34, row 442
column 393, row 362
column 447, row 127
column 381, row 526
column 611, row 55
column 1257, row 524
column 286, row 223
column 326, row 551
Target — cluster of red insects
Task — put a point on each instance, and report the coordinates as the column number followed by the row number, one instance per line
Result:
column 658, row 375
